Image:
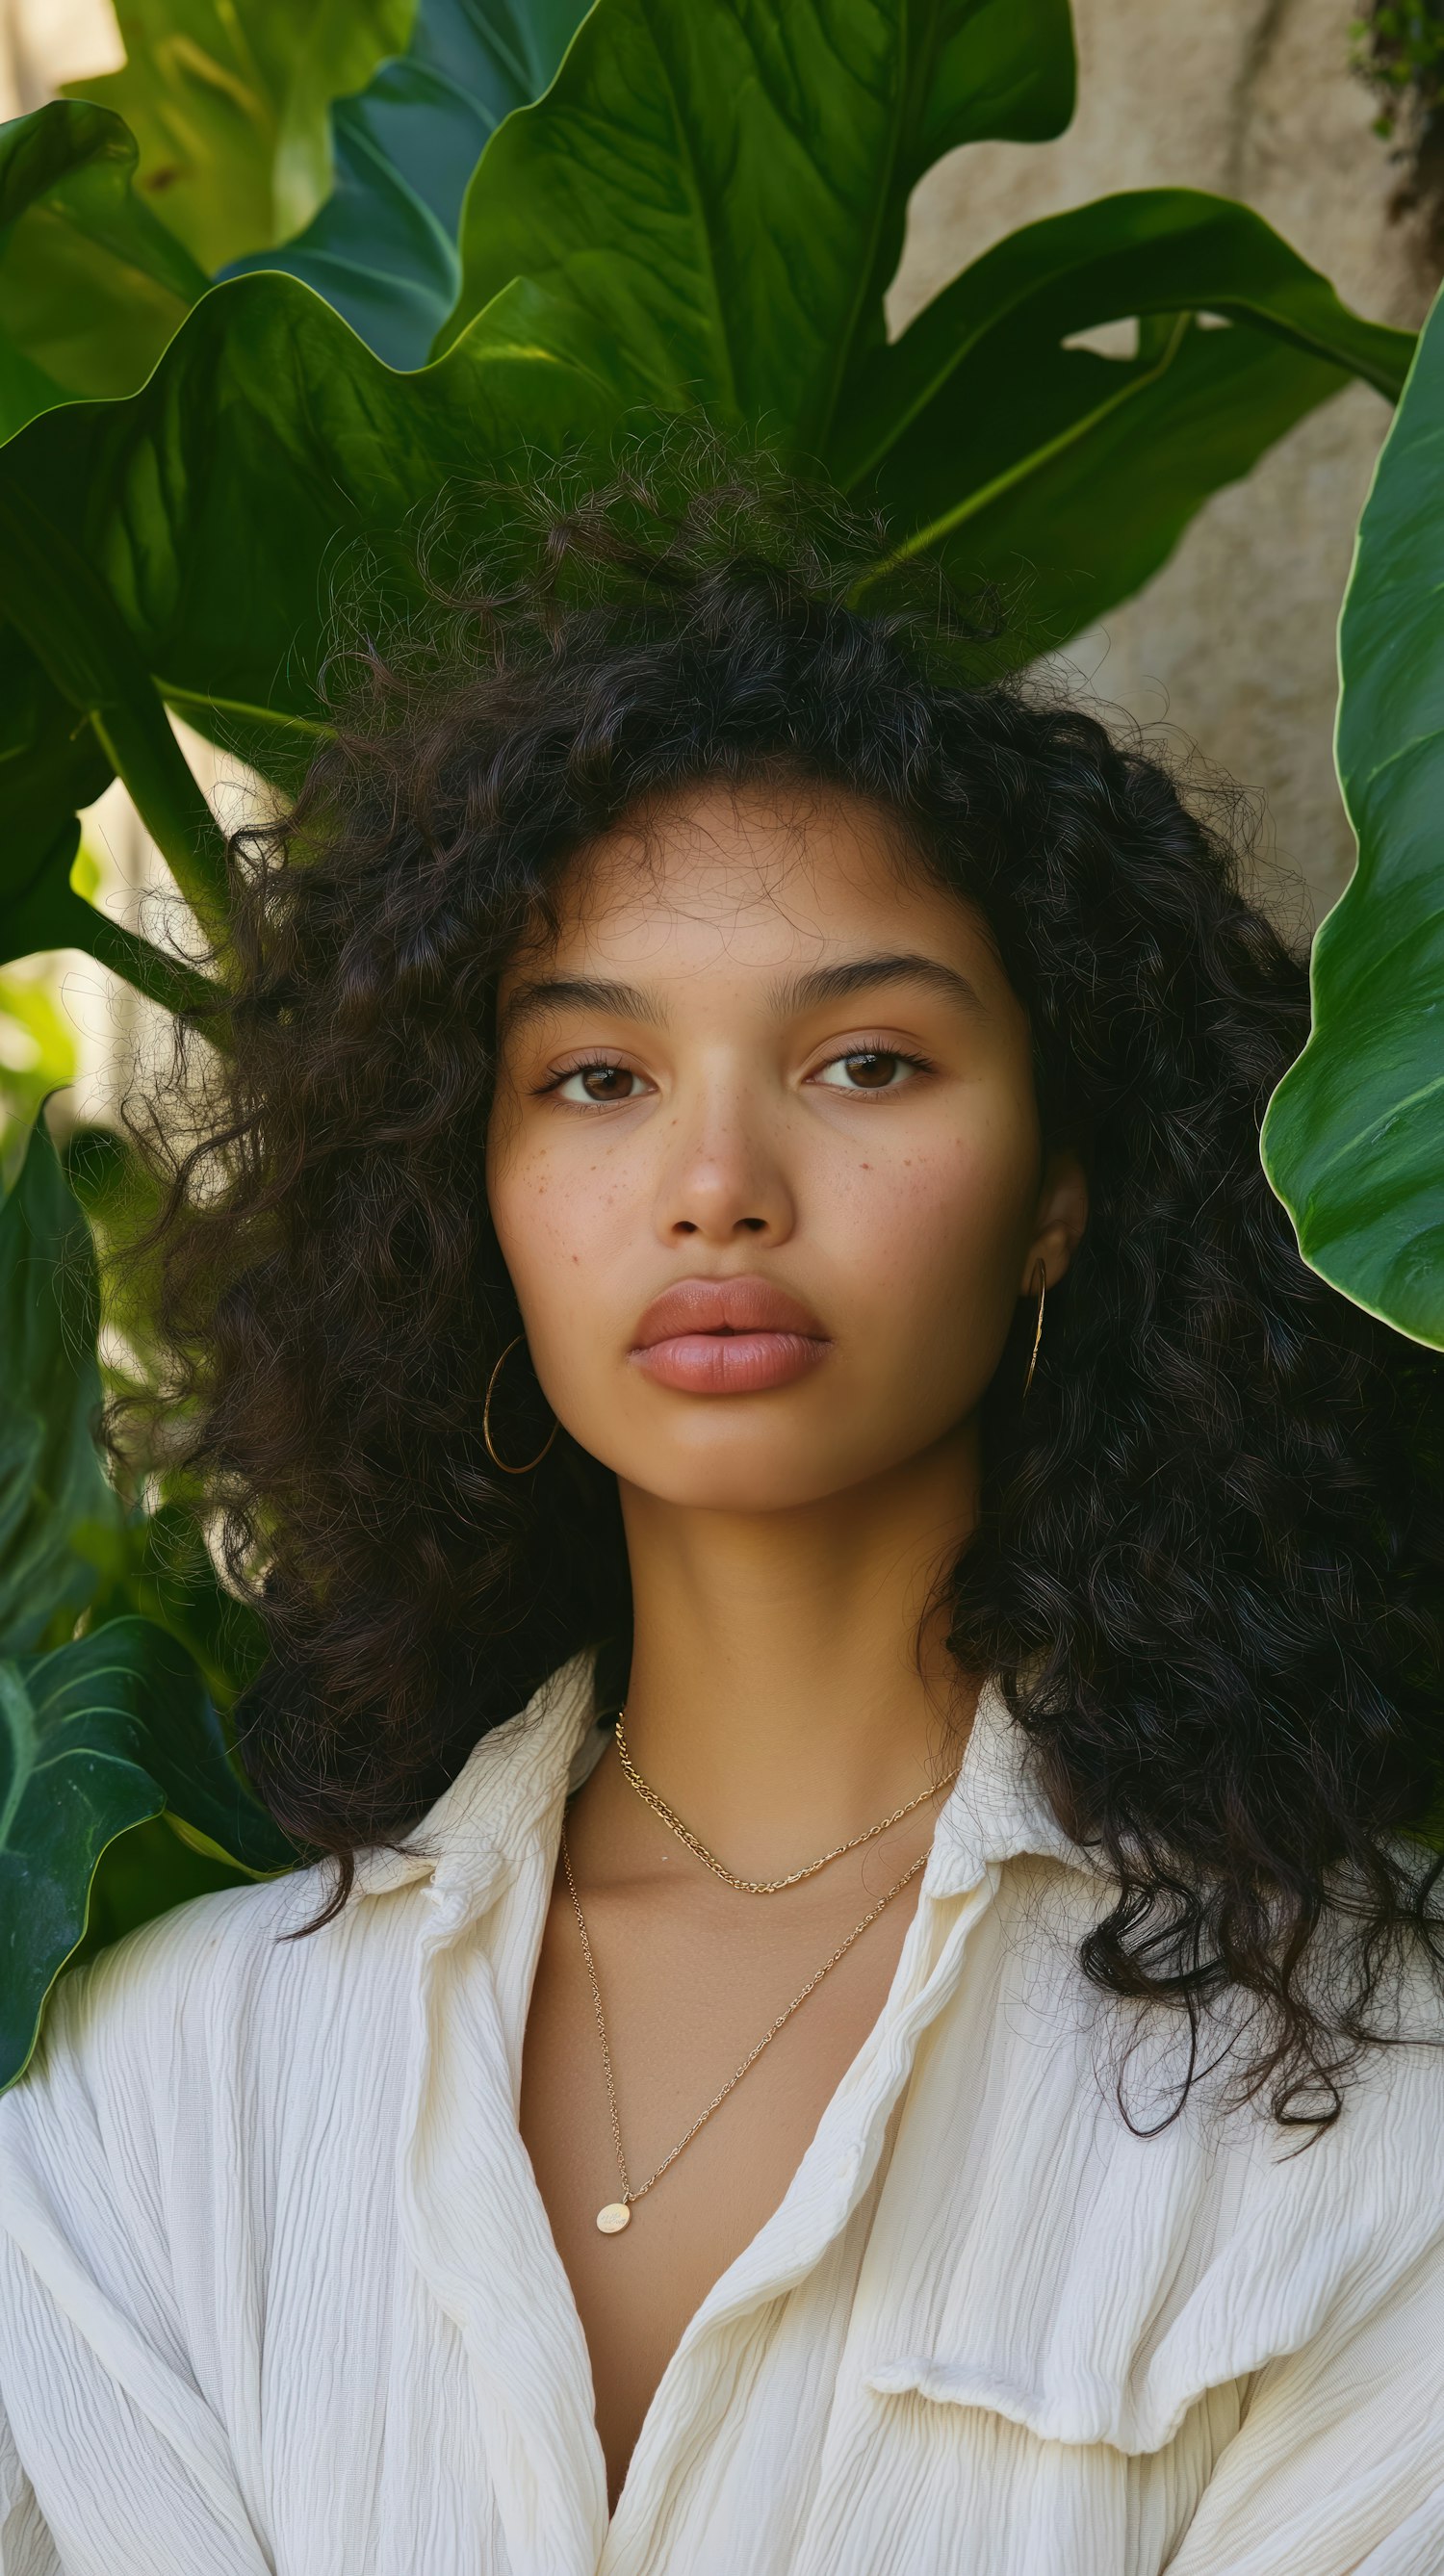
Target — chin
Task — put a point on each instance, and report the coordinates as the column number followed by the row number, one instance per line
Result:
column 776, row 1475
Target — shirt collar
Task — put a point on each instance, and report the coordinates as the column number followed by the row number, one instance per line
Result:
column 515, row 1781
column 501, row 1794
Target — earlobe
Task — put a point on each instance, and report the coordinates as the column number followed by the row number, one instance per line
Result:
column 1060, row 1219
column 1040, row 1277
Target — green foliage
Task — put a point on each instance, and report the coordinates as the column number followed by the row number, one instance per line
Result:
column 1398, row 48
column 92, row 285
column 144, row 1872
column 60, row 1521
column 96, row 1738
column 383, row 249
column 722, row 192
column 84, row 708
column 1016, row 455
column 229, row 103
column 113, row 1732
column 1352, row 1138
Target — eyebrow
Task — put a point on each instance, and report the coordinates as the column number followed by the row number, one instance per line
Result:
column 543, row 994
column 859, row 975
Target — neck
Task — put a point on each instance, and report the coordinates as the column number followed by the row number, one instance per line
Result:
column 786, row 1688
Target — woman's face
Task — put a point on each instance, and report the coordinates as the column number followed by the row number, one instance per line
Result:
column 765, row 1159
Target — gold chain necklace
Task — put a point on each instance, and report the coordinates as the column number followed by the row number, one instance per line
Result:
column 756, row 1886
column 617, row 2214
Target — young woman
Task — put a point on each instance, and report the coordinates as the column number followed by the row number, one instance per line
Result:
column 855, row 1638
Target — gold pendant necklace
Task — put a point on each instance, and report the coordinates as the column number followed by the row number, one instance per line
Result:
column 756, row 1886
column 617, row 2214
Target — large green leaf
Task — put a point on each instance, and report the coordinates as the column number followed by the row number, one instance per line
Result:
column 1030, row 462
column 92, row 287
column 723, row 209
column 91, row 284
column 383, row 248
column 1148, row 251
column 96, row 1739
column 1353, row 1138
column 52, row 763
column 721, row 186
column 71, row 626
column 187, row 541
column 270, row 457
column 110, row 1737
column 229, row 100
column 61, row 1522
column 144, row 1872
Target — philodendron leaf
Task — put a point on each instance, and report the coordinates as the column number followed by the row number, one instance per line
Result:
column 61, row 1521
column 228, row 102
column 721, row 186
column 96, row 1738
column 1353, row 1138
column 383, row 248
column 268, row 458
column 91, row 284
column 51, row 764
column 1146, row 251
column 723, row 208
column 1053, row 469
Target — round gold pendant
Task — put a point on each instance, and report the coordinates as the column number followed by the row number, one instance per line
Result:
column 614, row 2218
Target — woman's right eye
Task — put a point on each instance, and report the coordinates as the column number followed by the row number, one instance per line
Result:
column 600, row 1083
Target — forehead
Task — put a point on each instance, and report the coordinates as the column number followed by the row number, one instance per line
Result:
column 750, row 876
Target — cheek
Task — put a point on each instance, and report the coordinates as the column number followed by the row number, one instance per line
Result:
column 553, row 1214
column 936, row 1220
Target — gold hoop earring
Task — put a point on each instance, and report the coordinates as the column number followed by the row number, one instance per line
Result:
column 1038, row 1335
column 486, row 1424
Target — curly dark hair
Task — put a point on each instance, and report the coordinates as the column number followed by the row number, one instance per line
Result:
column 1209, row 1565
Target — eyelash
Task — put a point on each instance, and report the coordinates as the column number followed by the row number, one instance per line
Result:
column 615, row 1064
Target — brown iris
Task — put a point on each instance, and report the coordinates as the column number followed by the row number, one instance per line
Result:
column 879, row 1068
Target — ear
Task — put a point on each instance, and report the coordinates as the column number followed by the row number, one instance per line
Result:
column 1058, row 1220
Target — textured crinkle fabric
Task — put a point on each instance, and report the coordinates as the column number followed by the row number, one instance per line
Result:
column 278, row 2291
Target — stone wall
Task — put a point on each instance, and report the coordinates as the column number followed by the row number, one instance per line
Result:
column 44, row 42
column 1231, row 646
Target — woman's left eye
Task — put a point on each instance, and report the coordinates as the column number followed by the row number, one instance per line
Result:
column 870, row 1069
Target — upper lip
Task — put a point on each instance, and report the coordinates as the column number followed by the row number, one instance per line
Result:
column 745, row 1305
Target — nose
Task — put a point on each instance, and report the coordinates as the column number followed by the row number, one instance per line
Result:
column 724, row 1176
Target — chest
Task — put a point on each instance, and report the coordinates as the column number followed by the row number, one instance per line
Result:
column 844, row 2417
column 681, row 2015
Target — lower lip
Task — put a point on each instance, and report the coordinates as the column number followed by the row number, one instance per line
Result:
column 730, row 1363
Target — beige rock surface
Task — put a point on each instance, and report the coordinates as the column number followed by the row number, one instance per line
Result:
column 1231, row 646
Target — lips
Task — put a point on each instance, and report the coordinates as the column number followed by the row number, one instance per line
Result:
column 727, row 1337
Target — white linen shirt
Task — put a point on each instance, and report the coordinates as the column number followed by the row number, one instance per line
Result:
column 278, row 2290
